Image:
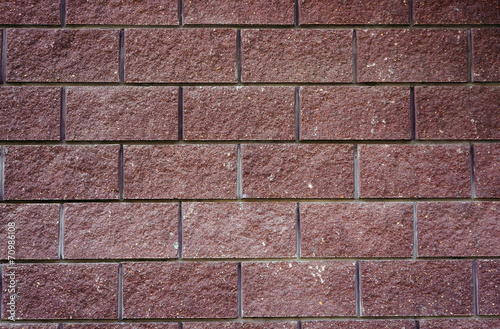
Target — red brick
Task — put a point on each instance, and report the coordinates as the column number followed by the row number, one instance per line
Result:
column 36, row 233
column 61, row 172
column 416, row 288
column 120, row 230
column 488, row 276
column 403, row 55
column 343, row 113
column 486, row 54
column 487, row 170
column 239, row 230
column 360, row 324
column 240, row 325
column 356, row 229
column 414, row 171
column 180, row 290
column 30, row 113
column 63, row 291
column 180, row 55
column 296, row 55
column 62, row 55
column 251, row 12
column 241, row 113
column 457, row 112
column 31, row 326
column 180, row 171
column 290, row 289
column 459, row 323
column 456, row 12
column 458, row 229
column 121, row 113
column 135, row 325
column 297, row 171
column 39, row 12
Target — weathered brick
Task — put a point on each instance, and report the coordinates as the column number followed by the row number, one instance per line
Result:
column 289, row 289
column 356, row 229
column 121, row 113
column 135, row 325
column 297, row 171
column 459, row 323
column 228, row 113
column 30, row 113
column 355, row 113
column 39, row 12
column 487, row 170
column 180, row 290
column 404, row 55
column 416, row 288
column 180, row 55
column 457, row 112
column 120, row 230
column 458, row 229
column 30, row 326
column 63, row 291
column 414, row 171
column 486, row 54
column 61, row 172
column 240, row 325
column 456, row 12
column 488, row 276
column 239, row 230
column 180, row 171
column 62, row 55
column 357, row 324
column 296, row 55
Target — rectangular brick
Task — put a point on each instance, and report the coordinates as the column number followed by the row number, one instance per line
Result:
column 30, row 326
column 30, row 113
column 459, row 323
column 41, row 55
column 121, row 113
column 239, row 113
column 180, row 290
column 487, row 170
column 356, row 229
column 240, row 325
column 239, row 230
column 296, row 55
column 292, row 289
column 414, row 171
column 345, row 113
column 180, row 172
column 404, row 55
column 456, row 12
column 297, row 171
column 488, row 277
column 486, row 54
column 180, row 55
column 135, row 325
column 39, row 12
column 359, row 324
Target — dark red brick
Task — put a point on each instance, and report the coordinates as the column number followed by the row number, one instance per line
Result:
column 240, row 325
column 360, row 324
column 488, row 276
column 241, row 113
column 414, row 171
column 47, row 172
column 121, row 113
column 180, row 55
column 290, row 289
column 356, row 229
column 355, row 113
column 486, row 54
column 404, row 55
column 296, row 55
column 135, row 325
column 180, row 290
column 39, row 12
column 459, row 323
column 62, row 55
column 63, row 291
column 30, row 326
column 297, row 171
column 487, row 170
column 456, row 12
column 180, row 171
column 416, row 288
column 30, row 113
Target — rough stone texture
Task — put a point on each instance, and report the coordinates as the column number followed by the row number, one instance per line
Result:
column 456, row 12
column 459, row 323
column 39, row 12
column 457, row 112
column 239, row 230
column 180, row 55
column 458, row 229
column 487, row 170
column 180, row 171
column 135, row 325
column 63, row 291
column 47, row 172
column 414, row 171
column 488, row 276
column 360, row 324
column 356, row 229
column 297, row 171
column 405, row 55
column 296, row 55
column 37, row 230
column 240, row 325
column 355, row 113
column 486, row 54
column 30, row 326
column 291, row 289
column 416, row 288
column 241, row 113
column 274, row 12
column 180, row 290
column 30, row 113
column 121, row 113
column 120, row 230
column 41, row 55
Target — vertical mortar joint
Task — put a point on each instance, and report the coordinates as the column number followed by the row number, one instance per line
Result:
column 355, row 56
column 358, row 290
column 120, row 292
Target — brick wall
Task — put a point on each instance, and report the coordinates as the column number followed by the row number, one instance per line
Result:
column 248, row 164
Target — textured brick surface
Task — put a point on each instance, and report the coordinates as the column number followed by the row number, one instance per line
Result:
column 456, row 12
column 135, row 325
column 30, row 326
column 488, row 276
column 460, row 324
column 487, row 170
column 364, row 324
column 240, row 325
column 486, row 54
column 39, row 12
